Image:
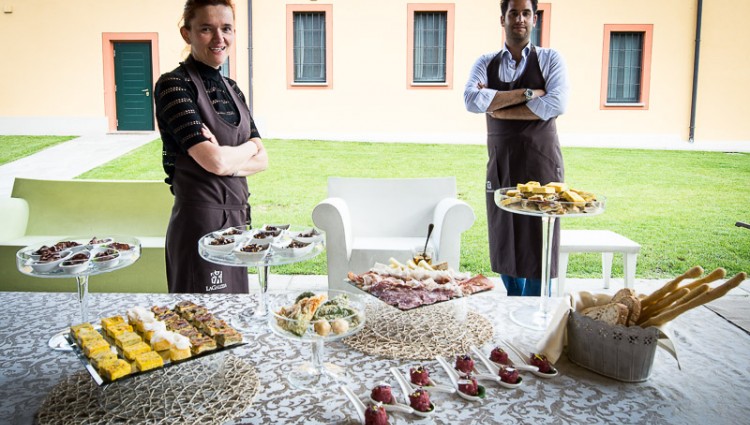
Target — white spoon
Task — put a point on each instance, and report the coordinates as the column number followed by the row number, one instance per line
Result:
column 527, row 361
column 394, row 406
column 453, row 375
column 358, row 405
column 407, row 389
column 432, row 386
column 492, row 367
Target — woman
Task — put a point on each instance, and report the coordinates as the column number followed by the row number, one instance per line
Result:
column 210, row 146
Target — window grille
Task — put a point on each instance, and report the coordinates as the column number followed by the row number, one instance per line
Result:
column 309, row 47
column 430, row 30
column 625, row 62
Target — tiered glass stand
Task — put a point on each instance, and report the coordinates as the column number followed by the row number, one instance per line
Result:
column 533, row 317
column 25, row 263
column 249, row 317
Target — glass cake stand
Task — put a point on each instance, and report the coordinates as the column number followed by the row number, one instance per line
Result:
column 274, row 256
column 316, row 374
column 532, row 317
column 28, row 263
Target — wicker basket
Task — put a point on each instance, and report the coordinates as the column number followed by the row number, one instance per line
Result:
column 619, row 352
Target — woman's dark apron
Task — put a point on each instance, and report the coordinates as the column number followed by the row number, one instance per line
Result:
column 205, row 202
column 520, row 151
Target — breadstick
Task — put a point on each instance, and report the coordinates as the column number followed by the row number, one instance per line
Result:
column 714, row 275
column 663, row 303
column 711, row 295
column 671, row 285
column 694, row 293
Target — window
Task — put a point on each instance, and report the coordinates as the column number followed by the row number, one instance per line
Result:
column 536, row 34
column 309, row 55
column 430, row 45
column 309, row 47
column 224, row 70
column 626, row 66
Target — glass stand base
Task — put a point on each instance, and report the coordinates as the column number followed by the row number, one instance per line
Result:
column 58, row 342
column 249, row 319
column 531, row 317
column 306, row 377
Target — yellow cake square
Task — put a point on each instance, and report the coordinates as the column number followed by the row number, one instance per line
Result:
column 148, row 360
column 101, row 357
column 114, row 320
column 179, row 354
column 76, row 329
column 118, row 329
column 95, row 346
column 131, row 351
column 115, row 369
column 87, row 335
column 127, row 338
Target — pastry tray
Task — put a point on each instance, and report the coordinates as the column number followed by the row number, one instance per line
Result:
column 103, row 383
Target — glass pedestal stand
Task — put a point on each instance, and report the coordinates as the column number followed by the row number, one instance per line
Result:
column 24, row 262
column 534, row 317
column 531, row 317
column 248, row 318
column 316, row 374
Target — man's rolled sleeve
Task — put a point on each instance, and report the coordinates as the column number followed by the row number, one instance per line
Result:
column 477, row 100
column 557, row 89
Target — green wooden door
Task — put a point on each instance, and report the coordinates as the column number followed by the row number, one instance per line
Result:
column 133, row 85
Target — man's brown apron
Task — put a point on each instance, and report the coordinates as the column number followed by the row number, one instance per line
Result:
column 205, row 202
column 520, row 151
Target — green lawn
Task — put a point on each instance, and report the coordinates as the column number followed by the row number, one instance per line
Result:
column 680, row 206
column 17, row 147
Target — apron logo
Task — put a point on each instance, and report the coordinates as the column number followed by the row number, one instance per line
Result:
column 489, row 186
column 217, row 283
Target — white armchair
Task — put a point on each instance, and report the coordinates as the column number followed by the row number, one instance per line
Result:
column 371, row 220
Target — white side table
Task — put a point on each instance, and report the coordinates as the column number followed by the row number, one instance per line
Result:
column 603, row 241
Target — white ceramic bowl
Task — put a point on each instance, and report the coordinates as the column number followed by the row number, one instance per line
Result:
column 236, row 233
column 286, row 249
column 219, row 249
column 48, row 266
column 276, row 229
column 261, row 237
column 105, row 262
column 309, row 235
column 251, row 256
column 73, row 265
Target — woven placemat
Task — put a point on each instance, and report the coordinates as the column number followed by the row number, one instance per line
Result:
column 421, row 334
column 211, row 390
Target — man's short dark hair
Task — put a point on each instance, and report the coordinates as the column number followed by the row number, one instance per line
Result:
column 504, row 6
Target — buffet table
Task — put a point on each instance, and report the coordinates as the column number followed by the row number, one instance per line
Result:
column 711, row 387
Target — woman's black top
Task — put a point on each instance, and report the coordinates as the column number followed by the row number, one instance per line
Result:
column 177, row 114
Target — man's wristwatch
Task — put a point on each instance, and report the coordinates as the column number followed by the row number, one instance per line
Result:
column 529, row 94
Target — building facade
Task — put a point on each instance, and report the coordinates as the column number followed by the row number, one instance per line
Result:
column 379, row 71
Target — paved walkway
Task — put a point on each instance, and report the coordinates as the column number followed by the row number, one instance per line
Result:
column 70, row 159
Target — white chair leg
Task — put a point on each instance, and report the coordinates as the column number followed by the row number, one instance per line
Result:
column 607, row 267
column 562, row 268
column 630, row 260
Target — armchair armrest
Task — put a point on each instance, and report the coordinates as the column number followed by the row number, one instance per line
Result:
column 332, row 216
column 14, row 214
column 452, row 217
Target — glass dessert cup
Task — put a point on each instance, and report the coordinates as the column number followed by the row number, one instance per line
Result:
column 538, row 317
column 26, row 259
column 317, row 374
column 248, row 318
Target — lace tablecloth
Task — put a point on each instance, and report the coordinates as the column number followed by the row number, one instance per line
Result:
column 711, row 387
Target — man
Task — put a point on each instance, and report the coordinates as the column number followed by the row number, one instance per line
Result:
column 521, row 89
